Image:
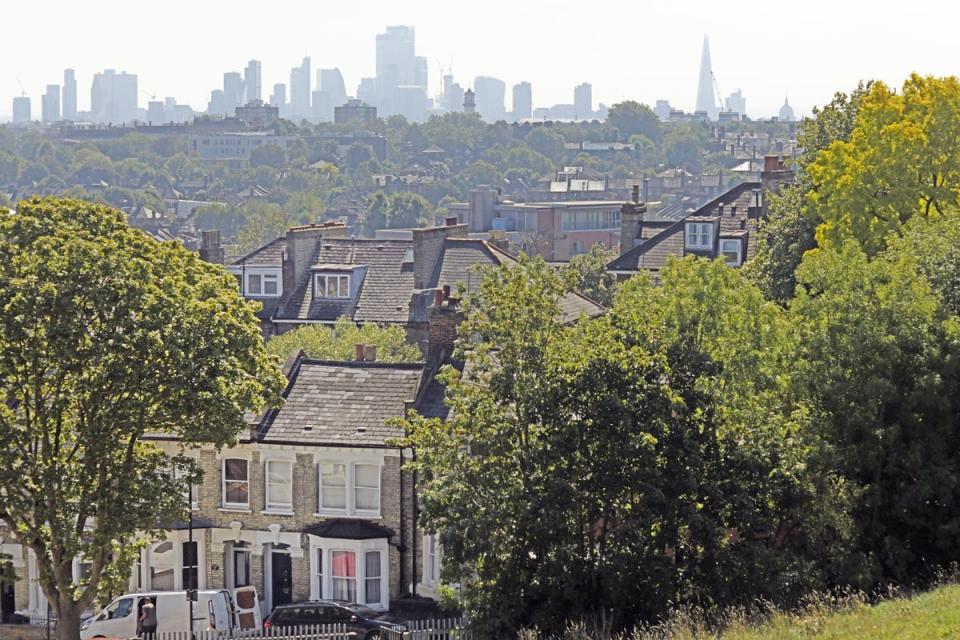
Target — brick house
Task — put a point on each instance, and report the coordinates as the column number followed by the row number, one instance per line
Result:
column 312, row 502
column 725, row 227
column 315, row 275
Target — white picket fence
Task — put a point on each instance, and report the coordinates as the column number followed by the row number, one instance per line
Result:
column 307, row 632
column 432, row 629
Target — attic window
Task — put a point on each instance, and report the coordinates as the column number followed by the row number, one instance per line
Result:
column 699, row 235
column 732, row 251
column 328, row 285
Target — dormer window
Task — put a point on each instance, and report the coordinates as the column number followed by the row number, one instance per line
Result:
column 699, row 236
column 732, row 251
column 262, row 282
column 331, row 285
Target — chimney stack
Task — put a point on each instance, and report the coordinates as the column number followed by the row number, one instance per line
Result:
column 360, row 348
column 211, row 249
column 631, row 219
column 369, row 353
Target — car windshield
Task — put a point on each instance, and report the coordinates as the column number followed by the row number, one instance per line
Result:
column 361, row 610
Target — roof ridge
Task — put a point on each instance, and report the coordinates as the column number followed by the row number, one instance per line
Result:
column 362, row 364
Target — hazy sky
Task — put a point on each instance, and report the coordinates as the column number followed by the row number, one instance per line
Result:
column 626, row 48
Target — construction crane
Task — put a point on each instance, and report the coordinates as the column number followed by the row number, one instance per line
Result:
column 716, row 87
column 152, row 96
column 22, row 92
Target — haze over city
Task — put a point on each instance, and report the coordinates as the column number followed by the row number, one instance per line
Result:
column 626, row 50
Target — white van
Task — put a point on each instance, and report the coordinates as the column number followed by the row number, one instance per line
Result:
column 214, row 610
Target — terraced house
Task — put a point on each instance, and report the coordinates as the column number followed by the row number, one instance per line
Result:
column 312, row 502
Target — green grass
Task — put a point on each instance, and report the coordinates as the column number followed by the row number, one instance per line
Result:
column 931, row 615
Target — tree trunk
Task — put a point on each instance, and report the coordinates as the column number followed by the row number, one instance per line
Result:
column 68, row 621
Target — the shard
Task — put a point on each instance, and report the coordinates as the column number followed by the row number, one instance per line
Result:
column 705, row 101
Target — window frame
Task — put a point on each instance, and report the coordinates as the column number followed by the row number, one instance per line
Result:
column 342, row 281
column 367, row 578
column 334, row 577
column 723, row 252
column 277, row 507
column 193, row 569
column 350, row 488
column 702, row 237
column 226, row 504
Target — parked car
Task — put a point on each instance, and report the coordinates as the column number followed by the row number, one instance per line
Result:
column 213, row 610
column 359, row 619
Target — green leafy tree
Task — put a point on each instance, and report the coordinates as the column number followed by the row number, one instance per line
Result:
column 339, row 341
column 587, row 273
column 107, row 336
column 481, row 172
column 631, row 118
column 934, row 244
column 790, row 229
column 408, row 210
column 684, row 147
column 546, row 142
column 376, row 216
column 876, row 358
column 900, row 161
column 622, row 463
column 263, row 222
column 268, row 155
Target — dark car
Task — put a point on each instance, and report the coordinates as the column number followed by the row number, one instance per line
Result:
column 360, row 620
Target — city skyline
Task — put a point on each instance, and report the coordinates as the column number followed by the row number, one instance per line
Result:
column 766, row 64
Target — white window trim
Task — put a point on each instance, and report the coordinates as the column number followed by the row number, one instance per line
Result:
column 264, row 274
column 739, row 244
column 326, row 282
column 359, row 547
column 351, row 509
column 279, row 509
column 429, row 578
column 700, row 228
column 238, row 506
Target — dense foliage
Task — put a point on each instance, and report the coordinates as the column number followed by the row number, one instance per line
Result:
column 107, row 336
column 339, row 341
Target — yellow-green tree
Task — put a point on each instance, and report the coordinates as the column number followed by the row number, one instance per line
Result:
column 900, row 161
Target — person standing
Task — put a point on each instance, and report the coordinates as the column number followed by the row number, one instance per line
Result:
column 148, row 619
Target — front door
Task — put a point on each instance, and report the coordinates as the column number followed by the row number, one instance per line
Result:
column 282, row 581
column 7, row 599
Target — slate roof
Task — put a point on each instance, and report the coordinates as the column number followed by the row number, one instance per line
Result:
column 457, row 264
column 349, row 529
column 269, row 255
column 342, row 403
column 384, row 294
column 653, row 252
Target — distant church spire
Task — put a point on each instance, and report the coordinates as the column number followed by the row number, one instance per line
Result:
column 705, row 101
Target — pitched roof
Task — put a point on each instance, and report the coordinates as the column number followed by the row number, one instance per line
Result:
column 653, row 252
column 342, row 403
column 270, row 254
column 458, row 264
column 384, row 294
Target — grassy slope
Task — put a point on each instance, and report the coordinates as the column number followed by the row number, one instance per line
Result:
column 928, row 616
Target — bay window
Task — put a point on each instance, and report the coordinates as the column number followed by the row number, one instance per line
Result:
column 372, row 578
column 162, row 566
column 343, row 567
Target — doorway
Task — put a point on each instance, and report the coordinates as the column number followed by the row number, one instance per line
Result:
column 7, row 595
column 281, row 579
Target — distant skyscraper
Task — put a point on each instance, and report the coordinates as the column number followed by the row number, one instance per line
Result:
column 737, row 103
column 663, row 109
column 583, row 101
column 469, row 102
column 300, row 89
column 786, row 111
column 50, row 104
column 399, row 71
column 69, row 101
column 705, row 99
column 251, row 81
column 279, row 96
column 522, row 101
column 331, row 93
column 114, row 97
column 490, row 93
column 21, row 110
column 232, row 91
